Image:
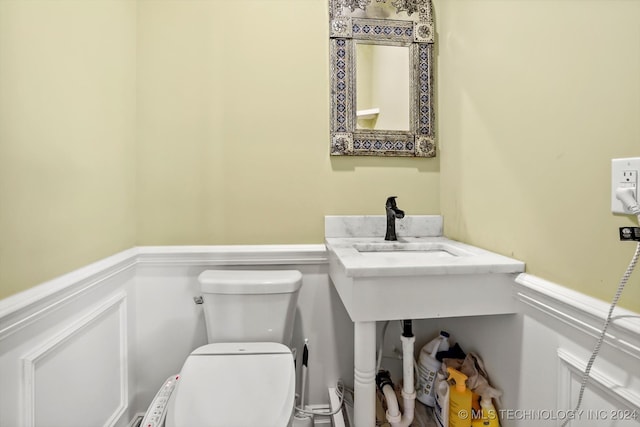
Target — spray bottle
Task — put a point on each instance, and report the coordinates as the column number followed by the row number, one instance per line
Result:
column 459, row 400
column 489, row 417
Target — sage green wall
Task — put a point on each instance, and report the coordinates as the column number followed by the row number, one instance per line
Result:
column 67, row 135
column 534, row 100
column 233, row 108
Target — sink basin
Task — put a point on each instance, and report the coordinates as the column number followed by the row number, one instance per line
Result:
column 417, row 256
column 402, row 250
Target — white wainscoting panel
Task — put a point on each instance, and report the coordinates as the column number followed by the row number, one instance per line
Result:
column 66, row 349
column 560, row 330
column 79, row 378
column 606, row 400
column 112, row 331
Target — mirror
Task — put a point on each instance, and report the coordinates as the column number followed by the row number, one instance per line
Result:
column 381, row 78
column 382, row 87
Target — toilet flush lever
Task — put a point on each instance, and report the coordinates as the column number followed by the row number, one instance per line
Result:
column 198, row 300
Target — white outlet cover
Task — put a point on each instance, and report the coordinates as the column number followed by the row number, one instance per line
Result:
column 624, row 173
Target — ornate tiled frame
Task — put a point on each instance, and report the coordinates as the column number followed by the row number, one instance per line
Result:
column 419, row 141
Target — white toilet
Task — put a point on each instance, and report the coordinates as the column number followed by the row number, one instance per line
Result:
column 245, row 377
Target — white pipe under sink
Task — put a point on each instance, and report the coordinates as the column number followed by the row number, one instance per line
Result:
column 393, row 414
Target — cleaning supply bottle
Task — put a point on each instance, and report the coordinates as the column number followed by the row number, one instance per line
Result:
column 441, row 408
column 428, row 366
column 459, row 400
column 489, row 417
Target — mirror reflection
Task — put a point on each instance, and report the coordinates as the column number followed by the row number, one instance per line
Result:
column 382, row 87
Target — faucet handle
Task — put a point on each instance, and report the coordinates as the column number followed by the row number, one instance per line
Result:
column 391, row 202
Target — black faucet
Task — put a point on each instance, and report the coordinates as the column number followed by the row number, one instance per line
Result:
column 392, row 213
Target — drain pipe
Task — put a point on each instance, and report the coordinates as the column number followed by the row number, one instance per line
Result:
column 408, row 389
column 383, row 380
column 384, row 383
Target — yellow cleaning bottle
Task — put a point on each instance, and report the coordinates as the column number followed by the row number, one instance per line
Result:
column 489, row 416
column 459, row 400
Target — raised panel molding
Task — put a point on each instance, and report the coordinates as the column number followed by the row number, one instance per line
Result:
column 49, row 349
column 580, row 311
column 573, row 367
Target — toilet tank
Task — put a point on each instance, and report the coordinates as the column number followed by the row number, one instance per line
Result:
column 250, row 305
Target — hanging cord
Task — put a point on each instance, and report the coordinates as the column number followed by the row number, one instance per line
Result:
column 596, row 350
column 381, row 346
column 339, row 388
column 340, row 391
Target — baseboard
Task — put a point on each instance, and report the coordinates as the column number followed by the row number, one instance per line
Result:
column 137, row 419
column 338, row 419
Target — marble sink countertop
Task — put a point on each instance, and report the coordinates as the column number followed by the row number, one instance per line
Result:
column 423, row 233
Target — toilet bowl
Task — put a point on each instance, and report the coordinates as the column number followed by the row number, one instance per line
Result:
column 245, row 376
column 234, row 385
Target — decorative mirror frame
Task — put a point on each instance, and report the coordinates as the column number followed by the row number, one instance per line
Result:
column 344, row 32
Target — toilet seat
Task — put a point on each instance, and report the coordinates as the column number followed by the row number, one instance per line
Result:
column 234, row 385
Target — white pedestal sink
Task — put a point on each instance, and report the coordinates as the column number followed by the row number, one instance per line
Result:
column 422, row 275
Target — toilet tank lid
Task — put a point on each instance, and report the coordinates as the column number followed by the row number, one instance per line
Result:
column 250, row 281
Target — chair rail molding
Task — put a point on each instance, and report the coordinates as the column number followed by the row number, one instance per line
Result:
column 232, row 255
column 20, row 310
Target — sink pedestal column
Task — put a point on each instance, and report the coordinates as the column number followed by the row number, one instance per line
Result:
column 364, row 389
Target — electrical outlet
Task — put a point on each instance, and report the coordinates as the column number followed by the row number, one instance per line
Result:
column 624, row 174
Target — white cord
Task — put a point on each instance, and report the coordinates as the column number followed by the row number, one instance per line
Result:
column 340, row 389
column 596, row 350
column 381, row 346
